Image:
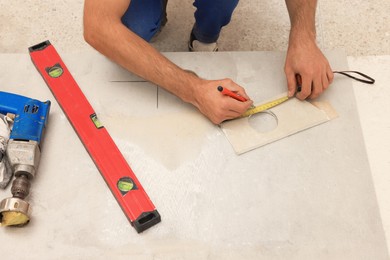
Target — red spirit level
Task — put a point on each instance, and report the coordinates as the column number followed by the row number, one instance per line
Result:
column 119, row 177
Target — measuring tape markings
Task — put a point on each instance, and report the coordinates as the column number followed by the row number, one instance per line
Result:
column 264, row 106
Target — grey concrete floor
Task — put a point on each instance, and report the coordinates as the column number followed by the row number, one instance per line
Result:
column 359, row 29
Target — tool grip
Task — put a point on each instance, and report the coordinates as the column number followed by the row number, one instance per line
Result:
column 30, row 116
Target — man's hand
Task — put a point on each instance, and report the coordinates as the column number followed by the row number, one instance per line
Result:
column 303, row 55
column 216, row 106
column 306, row 59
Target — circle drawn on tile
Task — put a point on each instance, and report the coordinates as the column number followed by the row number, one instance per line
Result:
column 263, row 122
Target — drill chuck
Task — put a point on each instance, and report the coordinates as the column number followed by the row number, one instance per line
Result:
column 20, row 187
column 15, row 211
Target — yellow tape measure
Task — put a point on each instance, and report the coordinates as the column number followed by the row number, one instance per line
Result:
column 264, row 107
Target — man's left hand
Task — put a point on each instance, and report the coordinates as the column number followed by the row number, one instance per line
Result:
column 306, row 59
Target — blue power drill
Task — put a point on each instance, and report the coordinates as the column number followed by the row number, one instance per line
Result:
column 23, row 152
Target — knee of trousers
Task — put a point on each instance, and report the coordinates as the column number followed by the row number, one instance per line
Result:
column 211, row 16
column 145, row 28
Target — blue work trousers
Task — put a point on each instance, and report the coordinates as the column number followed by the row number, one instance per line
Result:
column 145, row 17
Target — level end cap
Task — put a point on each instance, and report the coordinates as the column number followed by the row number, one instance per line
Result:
column 39, row 46
column 146, row 220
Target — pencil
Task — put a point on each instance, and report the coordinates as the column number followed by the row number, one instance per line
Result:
column 231, row 94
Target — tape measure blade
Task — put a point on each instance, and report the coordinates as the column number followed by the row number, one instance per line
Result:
column 265, row 106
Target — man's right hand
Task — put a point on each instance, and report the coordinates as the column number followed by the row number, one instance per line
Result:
column 216, row 106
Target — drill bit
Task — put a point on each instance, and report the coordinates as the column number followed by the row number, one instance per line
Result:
column 15, row 211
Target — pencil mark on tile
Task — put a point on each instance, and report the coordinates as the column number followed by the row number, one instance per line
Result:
column 157, row 96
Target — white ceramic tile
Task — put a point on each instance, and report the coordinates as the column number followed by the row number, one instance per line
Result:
column 374, row 109
column 290, row 117
column 277, row 202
